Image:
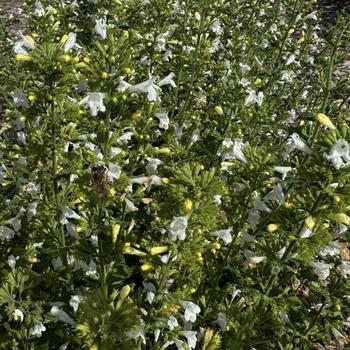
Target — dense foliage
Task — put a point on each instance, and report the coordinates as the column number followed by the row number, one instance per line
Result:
column 174, row 175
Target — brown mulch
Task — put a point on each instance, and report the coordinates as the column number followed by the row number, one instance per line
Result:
column 12, row 14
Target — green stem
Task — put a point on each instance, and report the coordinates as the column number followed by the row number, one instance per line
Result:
column 100, row 242
column 54, row 122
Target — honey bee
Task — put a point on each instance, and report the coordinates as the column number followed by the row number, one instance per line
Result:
column 99, row 178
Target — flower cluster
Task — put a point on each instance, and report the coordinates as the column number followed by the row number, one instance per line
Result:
column 175, row 175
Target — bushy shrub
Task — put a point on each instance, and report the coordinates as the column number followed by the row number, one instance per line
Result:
column 174, row 174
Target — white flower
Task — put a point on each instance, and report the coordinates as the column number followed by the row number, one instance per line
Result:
column 244, row 68
column 258, row 204
column 217, row 199
column 152, row 165
column 156, row 334
column 276, row 195
column 344, row 269
column 95, row 102
column 18, row 315
column 296, row 142
column 25, row 42
column 15, row 223
column 305, row 232
column 129, row 206
column 39, row 9
column 101, row 27
column 150, row 291
column 290, row 59
column 191, row 310
column 62, row 316
column 339, row 154
column 253, row 218
column 321, row 269
column 331, row 249
column 114, row 171
column 163, row 120
column 11, row 260
column 216, row 27
column 236, row 152
column 312, row 15
column 123, row 85
column 70, row 42
column 252, row 98
column 235, row 292
column 177, row 228
column 168, row 80
column 253, row 259
column 148, row 87
column 172, row 323
column 20, row 99
column 191, row 338
column 74, row 302
column 151, row 88
column 57, row 264
column 68, row 213
column 38, row 329
column 6, row 233
column 284, row 170
column 138, row 332
column 222, row 321
column 225, row 235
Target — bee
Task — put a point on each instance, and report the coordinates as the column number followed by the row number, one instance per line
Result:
column 99, row 178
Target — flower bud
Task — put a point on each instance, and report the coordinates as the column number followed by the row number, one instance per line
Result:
column 163, row 150
column 310, row 222
column 104, row 75
column 125, row 292
column 132, row 251
column 165, row 180
column 64, row 39
column 136, row 115
column 146, row 267
column 18, row 315
column 158, row 250
column 115, row 232
column 325, row 121
column 75, row 60
column 65, row 58
column 341, row 218
column 271, row 228
column 219, row 110
column 23, row 57
column 188, row 204
column 126, row 71
column 225, row 164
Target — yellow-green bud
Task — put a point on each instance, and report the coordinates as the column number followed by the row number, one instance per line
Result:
column 125, row 292
column 136, row 115
column 310, row 222
column 115, row 232
column 163, row 150
column 23, row 57
column 188, row 204
column 341, row 218
column 158, row 250
column 219, row 110
column 64, row 39
column 133, row 251
column 271, row 228
column 223, row 164
column 325, row 121
column 146, row 267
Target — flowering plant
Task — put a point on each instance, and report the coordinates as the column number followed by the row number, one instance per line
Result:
column 174, row 175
